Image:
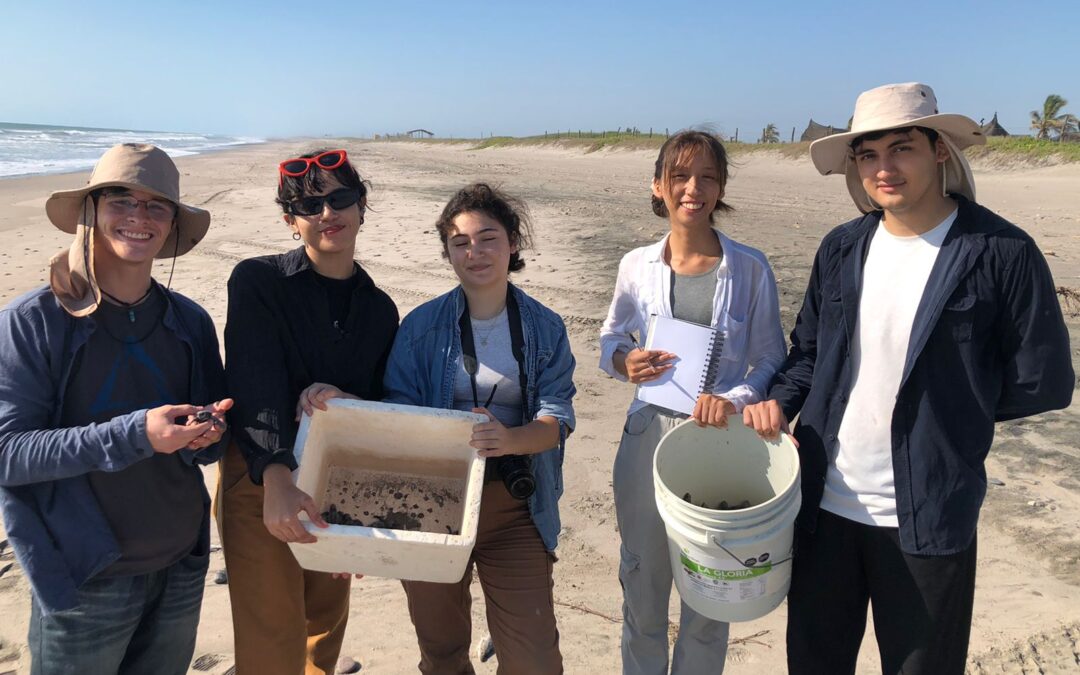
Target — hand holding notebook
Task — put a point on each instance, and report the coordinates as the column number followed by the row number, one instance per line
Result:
column 698, row 350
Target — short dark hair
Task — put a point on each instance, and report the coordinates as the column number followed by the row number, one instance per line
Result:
column 510, row 212
column 930, row 134
column 292, row 188
column 688, row 143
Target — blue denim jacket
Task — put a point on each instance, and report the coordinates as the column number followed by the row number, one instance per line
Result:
column 988, row 344
column 424, row 362
column 54, row 523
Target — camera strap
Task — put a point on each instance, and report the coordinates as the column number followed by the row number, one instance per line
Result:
column 517, row 346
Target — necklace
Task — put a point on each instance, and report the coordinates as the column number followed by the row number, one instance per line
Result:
column 132, row 340
column 130, row 306
column 485, row 335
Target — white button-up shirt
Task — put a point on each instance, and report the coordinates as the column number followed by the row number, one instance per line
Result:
column 745, row 308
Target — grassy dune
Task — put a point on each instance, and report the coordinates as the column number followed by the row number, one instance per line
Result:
column 997, row 150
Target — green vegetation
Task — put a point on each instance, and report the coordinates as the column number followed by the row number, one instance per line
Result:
column 589, row 141
column 997, row 149
column 1051, row 121
column 1025, row 148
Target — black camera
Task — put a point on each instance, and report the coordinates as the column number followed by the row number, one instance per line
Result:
column 516, row 474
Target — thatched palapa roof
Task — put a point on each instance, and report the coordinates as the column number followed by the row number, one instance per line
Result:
column 992, row 128
column 815, row 131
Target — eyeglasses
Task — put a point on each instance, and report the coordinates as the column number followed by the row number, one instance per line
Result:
column 339, row 199
column 294, row 168
column 157, row 209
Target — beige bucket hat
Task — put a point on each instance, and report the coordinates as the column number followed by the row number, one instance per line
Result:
column 897, row 106
column 131, row 165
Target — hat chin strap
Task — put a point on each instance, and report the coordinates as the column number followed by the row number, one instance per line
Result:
column 90, row 220
column 176, row 249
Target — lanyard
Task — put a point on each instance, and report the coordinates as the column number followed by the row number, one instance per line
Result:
column 517, row 346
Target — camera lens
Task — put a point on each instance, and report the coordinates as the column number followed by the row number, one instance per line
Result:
column 522, row 487
column 517, row 476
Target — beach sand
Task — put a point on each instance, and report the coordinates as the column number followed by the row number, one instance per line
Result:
column 588, row 210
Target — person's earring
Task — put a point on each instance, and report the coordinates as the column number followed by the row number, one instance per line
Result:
column 944, row 180
column 361, row 220
column 296, row 236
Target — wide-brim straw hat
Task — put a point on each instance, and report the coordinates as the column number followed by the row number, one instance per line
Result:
column 135, row 166
column 898, row 106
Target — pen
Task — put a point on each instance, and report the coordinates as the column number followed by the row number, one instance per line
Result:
column 638, row 347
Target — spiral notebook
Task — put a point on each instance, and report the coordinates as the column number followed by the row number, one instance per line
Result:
column 697, row 348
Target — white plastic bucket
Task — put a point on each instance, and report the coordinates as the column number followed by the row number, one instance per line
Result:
column 729, row 565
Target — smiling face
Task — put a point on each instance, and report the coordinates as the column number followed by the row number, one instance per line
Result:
column 479, row 250
column 691, row 188
column 330, row 231
column 901, row 171
column 131, row 228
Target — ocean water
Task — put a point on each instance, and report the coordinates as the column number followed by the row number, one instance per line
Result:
column 27, row 149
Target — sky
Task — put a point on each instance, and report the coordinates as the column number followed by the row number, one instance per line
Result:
column 470, row 69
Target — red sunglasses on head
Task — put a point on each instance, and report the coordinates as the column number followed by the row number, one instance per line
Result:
column 294, row 168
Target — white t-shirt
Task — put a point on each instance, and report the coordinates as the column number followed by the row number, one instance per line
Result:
column 859, row 484
column 497, row 372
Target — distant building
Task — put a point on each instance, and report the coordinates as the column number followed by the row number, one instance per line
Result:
column 419, row 133
column 815, row 131
column 992, row 128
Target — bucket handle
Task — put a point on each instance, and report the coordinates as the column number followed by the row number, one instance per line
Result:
column 718, row 542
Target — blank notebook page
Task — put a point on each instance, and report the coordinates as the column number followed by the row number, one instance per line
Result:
column 694, row 346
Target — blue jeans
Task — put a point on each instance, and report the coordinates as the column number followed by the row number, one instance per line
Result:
column 126, row 625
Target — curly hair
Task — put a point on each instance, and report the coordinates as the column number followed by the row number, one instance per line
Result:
column 508, row 211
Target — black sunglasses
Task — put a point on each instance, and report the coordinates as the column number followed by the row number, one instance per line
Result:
column 313, row 206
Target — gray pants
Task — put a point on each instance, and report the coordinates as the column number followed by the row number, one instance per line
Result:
column 645, row 568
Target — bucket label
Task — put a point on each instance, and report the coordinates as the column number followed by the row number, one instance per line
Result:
column 737, row 585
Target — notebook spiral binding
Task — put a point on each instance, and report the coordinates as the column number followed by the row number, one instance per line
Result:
column 712, row 366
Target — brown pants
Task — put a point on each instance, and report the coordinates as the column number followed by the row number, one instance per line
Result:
column 286, row 620
column 515, row 573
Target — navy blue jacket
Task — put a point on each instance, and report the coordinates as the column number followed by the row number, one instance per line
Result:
column 988, row 344
column 55, row 525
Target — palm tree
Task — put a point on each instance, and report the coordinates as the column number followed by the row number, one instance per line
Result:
column 1070, row 127
column 770, row 134
column 1050, row 119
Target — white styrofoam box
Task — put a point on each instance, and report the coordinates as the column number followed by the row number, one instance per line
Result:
column 390, row 438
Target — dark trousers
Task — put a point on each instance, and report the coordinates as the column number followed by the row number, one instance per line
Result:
column 921, row 604
column 515, row 574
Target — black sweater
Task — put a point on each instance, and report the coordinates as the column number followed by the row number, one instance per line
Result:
column 281, row 337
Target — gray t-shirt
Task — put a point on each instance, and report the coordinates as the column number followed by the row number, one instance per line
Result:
column 496, row 366
column 155, row 506
column 694, row 295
